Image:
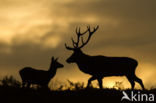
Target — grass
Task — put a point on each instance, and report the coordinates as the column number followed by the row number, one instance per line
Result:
column 11, row 92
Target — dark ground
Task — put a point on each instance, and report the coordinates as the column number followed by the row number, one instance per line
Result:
column 25, row 95
column 11, row 92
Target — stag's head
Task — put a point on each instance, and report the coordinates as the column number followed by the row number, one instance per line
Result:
column 55, row 63
column 76, row 44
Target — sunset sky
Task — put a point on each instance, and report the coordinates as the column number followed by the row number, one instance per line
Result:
column 32, row 31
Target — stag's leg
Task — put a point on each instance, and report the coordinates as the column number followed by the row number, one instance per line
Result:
column 90, row 80
column 100, row 83
column 139, row 81
column 131, row 80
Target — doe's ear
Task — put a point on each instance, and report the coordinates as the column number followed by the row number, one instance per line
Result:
column 53, row 58
column 56, row 59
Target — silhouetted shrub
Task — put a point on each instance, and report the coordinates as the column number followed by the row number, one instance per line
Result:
column 10, row 81
column 118, row 85
column 75, row 86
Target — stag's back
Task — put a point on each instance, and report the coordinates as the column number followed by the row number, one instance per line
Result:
column 108, row 66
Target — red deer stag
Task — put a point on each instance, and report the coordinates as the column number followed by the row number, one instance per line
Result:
column 101, row 66
column 32, row 76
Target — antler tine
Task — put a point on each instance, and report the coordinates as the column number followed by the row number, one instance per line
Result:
column 76, row 30
column 88, row 28
column 69, row 48
column 90, row 34
column 79, row 31
column 95, row 29
column 74, row 43
column 82, row 40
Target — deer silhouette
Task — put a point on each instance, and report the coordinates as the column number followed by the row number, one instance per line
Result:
column 32, row 76
column 101, row 66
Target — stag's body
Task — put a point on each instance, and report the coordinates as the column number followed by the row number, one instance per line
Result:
column 32, row 76
column 102, row 66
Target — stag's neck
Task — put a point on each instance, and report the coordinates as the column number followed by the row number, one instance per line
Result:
column 82, row 59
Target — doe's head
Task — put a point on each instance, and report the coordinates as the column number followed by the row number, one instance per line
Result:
column 56, row 64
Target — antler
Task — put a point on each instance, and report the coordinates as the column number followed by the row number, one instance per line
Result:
column 69, row 48
column 79, row 34
column 90, row 34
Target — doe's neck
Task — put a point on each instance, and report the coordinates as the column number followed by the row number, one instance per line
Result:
column 52, row 68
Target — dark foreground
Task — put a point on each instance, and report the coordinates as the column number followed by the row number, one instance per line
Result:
column 24, row 95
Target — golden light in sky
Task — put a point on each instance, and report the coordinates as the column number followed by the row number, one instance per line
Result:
column 31, row 31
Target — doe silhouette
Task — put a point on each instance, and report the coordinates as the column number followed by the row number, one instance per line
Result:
column 32, row 76
column 101, row 66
